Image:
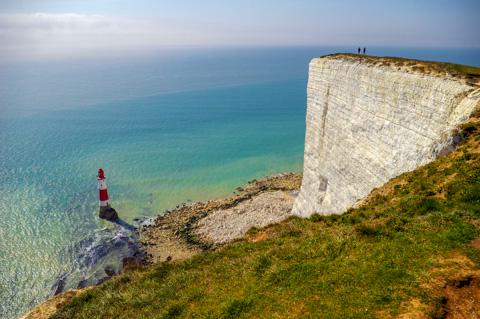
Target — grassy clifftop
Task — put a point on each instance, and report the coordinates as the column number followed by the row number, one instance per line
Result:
column 412, row 249
column 466, row 73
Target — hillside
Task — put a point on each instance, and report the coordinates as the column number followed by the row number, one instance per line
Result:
column 410, row 250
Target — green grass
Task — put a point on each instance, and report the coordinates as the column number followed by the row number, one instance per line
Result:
column 456, row 70
column 369, row 262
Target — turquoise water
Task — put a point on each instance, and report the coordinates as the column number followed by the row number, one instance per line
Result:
column 167, row 128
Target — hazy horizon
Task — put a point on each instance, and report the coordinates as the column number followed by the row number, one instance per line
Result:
column 53, row 29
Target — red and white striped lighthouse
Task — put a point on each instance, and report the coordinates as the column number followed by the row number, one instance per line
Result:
column 102, row 188
column 106, row 212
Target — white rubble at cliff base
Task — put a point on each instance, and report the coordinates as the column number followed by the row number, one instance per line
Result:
column 225, row 225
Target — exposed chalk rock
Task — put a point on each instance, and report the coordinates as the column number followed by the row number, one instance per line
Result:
column 369, row 122
column 225, row 225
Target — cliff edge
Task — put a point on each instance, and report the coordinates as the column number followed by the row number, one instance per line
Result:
column 370, row 119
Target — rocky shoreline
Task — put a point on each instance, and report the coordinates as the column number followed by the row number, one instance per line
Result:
column 192, row 228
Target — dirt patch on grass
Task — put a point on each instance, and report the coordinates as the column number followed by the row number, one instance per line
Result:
column 462, row 298
column 459, row 295
column 476, row 243
column 448, row 269
column 258, row 236
column 455, row 265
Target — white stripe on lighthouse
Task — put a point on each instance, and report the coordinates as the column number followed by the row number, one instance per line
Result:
column 102, row 184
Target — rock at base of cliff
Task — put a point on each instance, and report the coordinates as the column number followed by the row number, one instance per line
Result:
column 108, row 213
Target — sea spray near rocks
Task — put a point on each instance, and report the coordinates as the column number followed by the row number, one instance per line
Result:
column 98, row 257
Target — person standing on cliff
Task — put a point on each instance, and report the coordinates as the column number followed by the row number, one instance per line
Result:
column 359, row 50
column 364, row 49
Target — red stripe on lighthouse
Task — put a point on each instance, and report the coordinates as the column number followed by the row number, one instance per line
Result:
column 103, row 195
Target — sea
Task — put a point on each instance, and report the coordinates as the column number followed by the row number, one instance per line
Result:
column 168, row 127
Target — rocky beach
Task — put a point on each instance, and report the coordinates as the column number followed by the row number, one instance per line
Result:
column 191, row 228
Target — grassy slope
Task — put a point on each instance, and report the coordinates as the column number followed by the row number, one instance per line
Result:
column 393, row 255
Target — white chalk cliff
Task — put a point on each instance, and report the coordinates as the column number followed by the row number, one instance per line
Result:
column 371, row 119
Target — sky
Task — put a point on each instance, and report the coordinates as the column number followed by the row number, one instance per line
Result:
column 39, row 29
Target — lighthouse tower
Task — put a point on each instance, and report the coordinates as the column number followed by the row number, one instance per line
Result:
column 102, row 188
column 106, row 212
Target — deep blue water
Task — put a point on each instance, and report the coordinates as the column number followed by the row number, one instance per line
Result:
column 166, row 127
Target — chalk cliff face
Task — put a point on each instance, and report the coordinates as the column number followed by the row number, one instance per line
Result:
column 368, row 121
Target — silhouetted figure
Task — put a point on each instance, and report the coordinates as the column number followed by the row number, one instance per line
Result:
column 359, row 50
column 364, row 49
